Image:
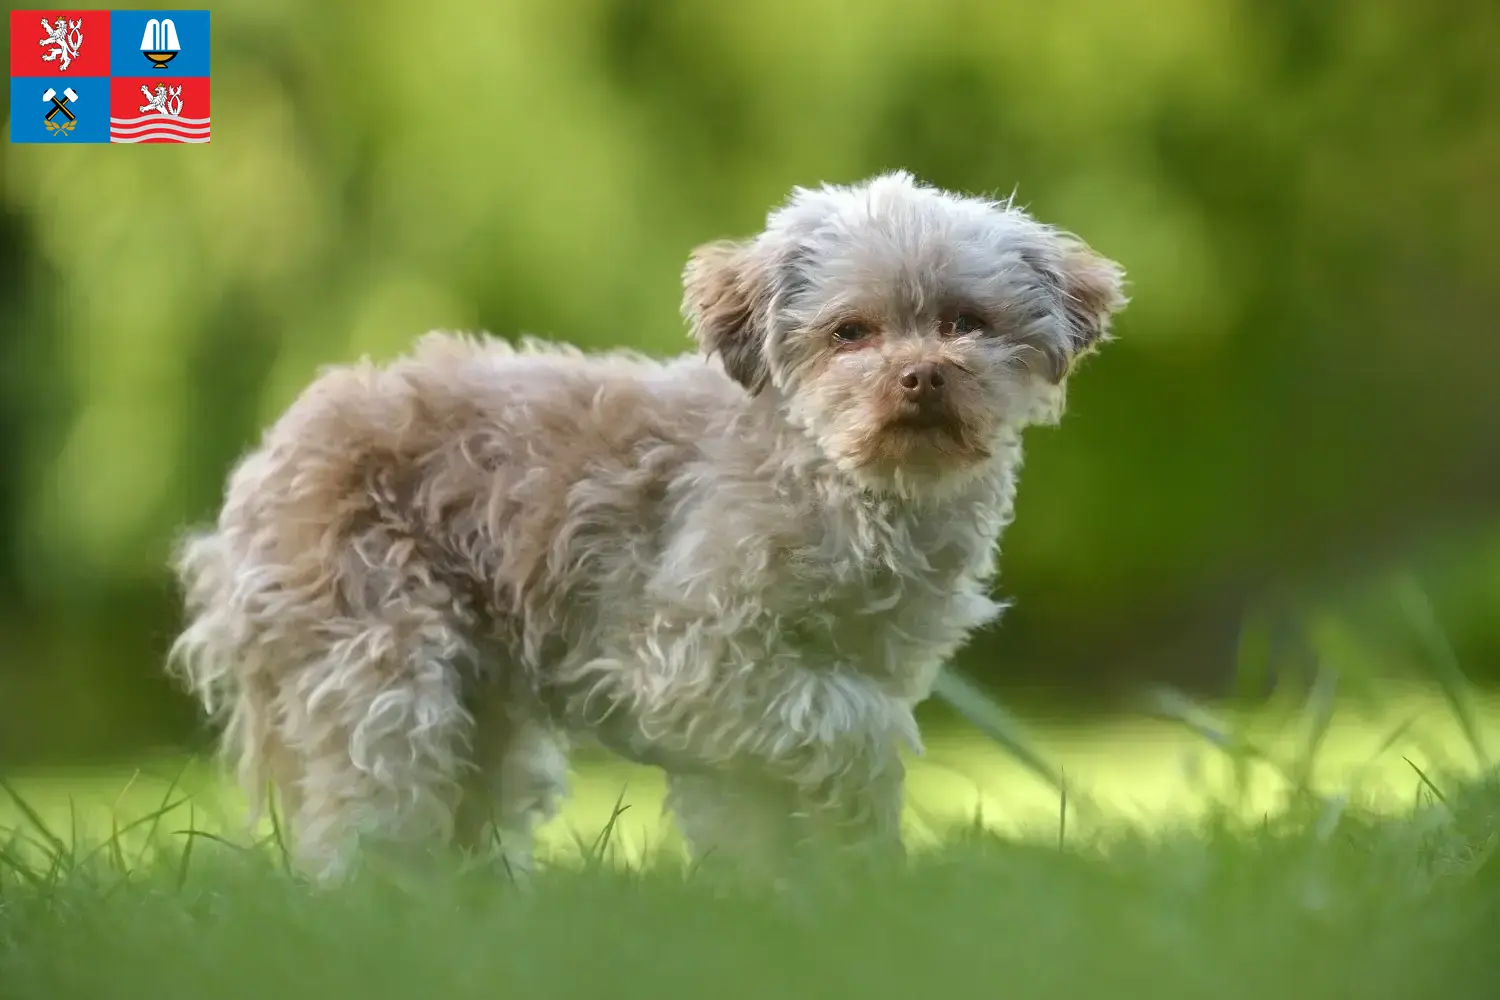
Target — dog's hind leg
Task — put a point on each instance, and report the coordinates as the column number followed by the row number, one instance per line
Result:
column 518, row 782
column 366, row 653
column 380, row 737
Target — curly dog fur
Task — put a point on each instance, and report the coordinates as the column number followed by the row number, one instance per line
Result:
column 745, row 564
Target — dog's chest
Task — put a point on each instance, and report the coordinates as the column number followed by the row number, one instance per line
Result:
column 754, row 578
column 894, row 602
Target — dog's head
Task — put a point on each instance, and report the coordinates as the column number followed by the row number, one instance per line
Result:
column 903, row 327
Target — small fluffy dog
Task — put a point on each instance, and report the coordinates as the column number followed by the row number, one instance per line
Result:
column 745, row 565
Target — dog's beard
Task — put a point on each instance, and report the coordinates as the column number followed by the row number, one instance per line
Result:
column 937, row 442
column 907, row 451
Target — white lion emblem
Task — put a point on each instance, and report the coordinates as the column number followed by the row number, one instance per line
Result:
column 66, row 36
column 167, row 102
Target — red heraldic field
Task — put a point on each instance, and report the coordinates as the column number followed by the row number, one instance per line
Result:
column 59, row 43
column 158, row 109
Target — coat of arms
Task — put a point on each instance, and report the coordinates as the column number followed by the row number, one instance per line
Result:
column 65, row 37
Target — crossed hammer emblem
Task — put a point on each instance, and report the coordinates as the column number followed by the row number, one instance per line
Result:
column 68, row 97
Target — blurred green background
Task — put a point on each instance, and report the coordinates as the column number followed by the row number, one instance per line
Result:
column 1299, row 409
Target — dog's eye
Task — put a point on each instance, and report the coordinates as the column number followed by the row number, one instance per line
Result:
column 967, row 323
column 851, row 332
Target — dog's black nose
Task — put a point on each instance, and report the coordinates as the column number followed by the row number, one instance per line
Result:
column 922, row 382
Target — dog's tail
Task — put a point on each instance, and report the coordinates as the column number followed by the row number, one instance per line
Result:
column 213, row 659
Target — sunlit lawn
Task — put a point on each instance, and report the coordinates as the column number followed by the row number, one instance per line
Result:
column 1135, row 771
column 1170, row 879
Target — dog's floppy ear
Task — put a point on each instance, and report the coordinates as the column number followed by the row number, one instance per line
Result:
column 1092, row 290
column 726, row 295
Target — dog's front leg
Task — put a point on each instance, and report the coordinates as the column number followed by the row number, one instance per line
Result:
column 764, row 753
column 803, row 759
column 736, row 820
column 759, row 822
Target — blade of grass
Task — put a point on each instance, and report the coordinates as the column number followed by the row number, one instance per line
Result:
column 1173, row 706
column 1252, row 672
column 278, row 833
column 1062, row 813
column 1443, row 660
column 187, row 849
column 115, row 845
column 985, row 715
column 1319, row 712
column 1361, row 774
column 601, row 842
column 206, row 835
column 162, row 810
column 134, row 774
column 19, row 866
column 1426, row 781
column 1003, row 729
column 72, row 826
column 116, row 852
column 34, row 818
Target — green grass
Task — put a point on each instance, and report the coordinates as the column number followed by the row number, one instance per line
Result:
column 1190, row 860
column 1317, row 903
column 1340, row 842
column 1140, row 772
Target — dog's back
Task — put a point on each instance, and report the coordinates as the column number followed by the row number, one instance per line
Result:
column 399, row 523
